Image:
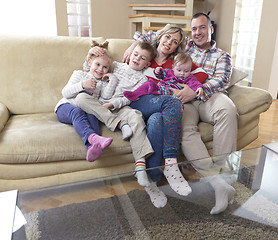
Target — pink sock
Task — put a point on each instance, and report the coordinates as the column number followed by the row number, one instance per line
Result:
column 103, row 141
column 94, row 152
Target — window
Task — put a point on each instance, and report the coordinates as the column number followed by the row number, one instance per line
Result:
column 245, row 36
column 28, row 17
column 79, row 18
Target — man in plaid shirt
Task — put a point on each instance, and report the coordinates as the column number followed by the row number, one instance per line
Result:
column 214, row 107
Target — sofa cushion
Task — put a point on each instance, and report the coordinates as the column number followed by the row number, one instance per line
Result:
column 248, row 99
column 43, row 67
column 237, row 76
column 41, row 138
column 117, row 47
column 4, row 116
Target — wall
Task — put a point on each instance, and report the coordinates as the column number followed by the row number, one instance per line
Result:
column 61, row 18
column 273, row 83
column 266, row 64
column 109, row 18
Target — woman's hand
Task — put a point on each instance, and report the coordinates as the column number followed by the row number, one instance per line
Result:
column 128, row 52
column 184, row 95
column 89, row 84
column 97, row 51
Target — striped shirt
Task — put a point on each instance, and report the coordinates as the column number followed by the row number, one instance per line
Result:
column 214, row 61
column 126, row 79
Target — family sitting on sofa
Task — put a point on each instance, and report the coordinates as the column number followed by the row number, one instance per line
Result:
column 158, row 121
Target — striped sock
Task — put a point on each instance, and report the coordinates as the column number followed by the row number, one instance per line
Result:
column 125, row 128
column 122, row 123
column 140, row 173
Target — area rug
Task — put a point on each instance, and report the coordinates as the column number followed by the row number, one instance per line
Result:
column 132, row 217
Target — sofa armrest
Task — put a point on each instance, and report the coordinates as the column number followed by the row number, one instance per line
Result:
column 249, row 98
column 4, row 115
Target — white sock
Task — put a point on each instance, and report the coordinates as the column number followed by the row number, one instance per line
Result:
column 142, row 178
column 158, row 198
column 126, row 131
column 140, row 174
column 175, row 178
column 224, row 194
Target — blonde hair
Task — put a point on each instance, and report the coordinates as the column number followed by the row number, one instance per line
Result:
column 106, row 53
column 182, row 58
column 170, row 29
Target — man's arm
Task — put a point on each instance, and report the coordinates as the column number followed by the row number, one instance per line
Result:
column 148, row 37
column 219, row 79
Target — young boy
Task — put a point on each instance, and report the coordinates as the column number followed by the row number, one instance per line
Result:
column 111, row 105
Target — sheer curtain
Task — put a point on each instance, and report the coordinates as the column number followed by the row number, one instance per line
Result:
column 79, row 18
column 28, row 17
column 245, row 36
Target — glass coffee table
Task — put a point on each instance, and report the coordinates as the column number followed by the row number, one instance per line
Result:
column 116, row 207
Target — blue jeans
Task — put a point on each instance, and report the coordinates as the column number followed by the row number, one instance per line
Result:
column 163, row 115
column 84, row 124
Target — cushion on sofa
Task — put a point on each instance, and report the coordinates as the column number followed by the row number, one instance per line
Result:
column 4, row 116
column 117, row 47
column 248, row 98
column 34, row 138
column 43, row 67
column 237, row 76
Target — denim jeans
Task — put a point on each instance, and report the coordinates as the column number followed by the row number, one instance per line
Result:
column 163, row 115
column 84, row 124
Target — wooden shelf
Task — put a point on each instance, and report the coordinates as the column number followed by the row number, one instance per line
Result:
column 150, row 16
column 158, row 28
column 158, row 16
column 158, row 7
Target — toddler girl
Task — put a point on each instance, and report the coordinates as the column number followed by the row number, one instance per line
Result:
column 86, row 125
column 100, row 85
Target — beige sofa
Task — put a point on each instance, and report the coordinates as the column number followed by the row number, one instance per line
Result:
column 36, row 150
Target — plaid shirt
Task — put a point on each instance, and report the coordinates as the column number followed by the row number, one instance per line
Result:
column 214, row 61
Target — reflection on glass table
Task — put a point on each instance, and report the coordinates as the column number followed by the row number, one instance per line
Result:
column 263, row 179
column 116, row 207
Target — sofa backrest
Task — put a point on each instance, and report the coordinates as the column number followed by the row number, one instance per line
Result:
column 33, row 70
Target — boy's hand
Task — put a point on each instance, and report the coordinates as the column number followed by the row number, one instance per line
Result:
column 89, row 84
column 108, row 105
column 97, row 51
column 199, row 91
column 157, row 70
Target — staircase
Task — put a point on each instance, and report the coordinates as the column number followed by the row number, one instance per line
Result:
column 152, row 17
